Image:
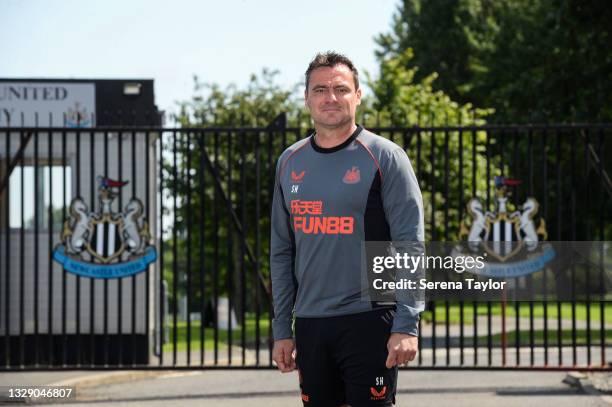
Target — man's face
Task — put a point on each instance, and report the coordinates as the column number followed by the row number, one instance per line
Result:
column 331, row 96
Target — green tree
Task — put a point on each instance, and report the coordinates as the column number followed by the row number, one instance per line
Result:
column 531, row 60
column 442, row 157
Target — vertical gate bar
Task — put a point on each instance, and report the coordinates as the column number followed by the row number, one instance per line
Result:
column 573, row 233
column 489, row 305
column 187, row 180
column 572, row 237
column 558, row 170
column 517, row 330
column 602, row 326
column 230, row 248
column 515, row 163
column 106, row 338
column 36, row 245
column 446, row 193
column 92, row 183
column 488, row 162
column 119, row 281
column 243, row 138
column 64, row 165
column 530, row 160
column 7, row 244
column 516, row 171
column 419, row 160
column 148, row 216
column 502, row 303
column 419, row 169
column 574, row 353
column 586, row 235
column 489, row 336
column 432, row 158
column 488, row 180
column 531, row 326
column 544, row 159
column 271, row 176
column 517, row 304
column 589, row 237
column 461, row 204
column 258, row 243
column 474, row 303
column 419, row 165
column 174, row 249
column 133, row 301
column 50, row 228
column 216, row 249
column 21, row 257
column 544, row 137
column 78, row 278
column 587, row 194
column 162, row 299
column 201, row 266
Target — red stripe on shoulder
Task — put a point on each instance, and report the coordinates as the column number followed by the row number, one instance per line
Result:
column 284, row 164
column 373, row 158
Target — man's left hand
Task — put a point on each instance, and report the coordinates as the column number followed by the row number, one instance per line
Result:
column 402, row 349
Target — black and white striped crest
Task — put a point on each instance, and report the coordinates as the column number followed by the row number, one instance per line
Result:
column 106, row 240
column 503, row 237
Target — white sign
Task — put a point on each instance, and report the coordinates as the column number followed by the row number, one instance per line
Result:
column 56, row 104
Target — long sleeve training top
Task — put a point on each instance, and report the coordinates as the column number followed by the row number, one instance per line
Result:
column 326, row 202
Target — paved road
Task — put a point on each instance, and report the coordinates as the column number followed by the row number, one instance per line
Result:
column 267, row 388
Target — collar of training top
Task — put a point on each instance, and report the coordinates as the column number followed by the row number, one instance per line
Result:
column 339, row 147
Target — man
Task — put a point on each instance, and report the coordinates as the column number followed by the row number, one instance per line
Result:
column 335, row 189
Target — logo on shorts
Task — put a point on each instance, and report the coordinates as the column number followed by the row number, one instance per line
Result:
column 295, row 177
column 305, row 397
column 378, row 395
column 352, row 176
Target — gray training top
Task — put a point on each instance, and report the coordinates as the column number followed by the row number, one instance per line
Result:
column 327, row 201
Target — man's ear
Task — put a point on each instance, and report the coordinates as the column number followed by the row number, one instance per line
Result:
column 358, row 92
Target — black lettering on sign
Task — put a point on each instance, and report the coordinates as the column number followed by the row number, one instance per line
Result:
column 61, row 93
column 6, row 114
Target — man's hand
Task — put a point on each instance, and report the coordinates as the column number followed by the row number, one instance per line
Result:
column 402, row 349
column 283, row 355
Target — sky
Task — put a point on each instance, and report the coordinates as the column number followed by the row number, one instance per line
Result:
column 222, row 41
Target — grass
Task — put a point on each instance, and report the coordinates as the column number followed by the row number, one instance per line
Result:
column 538, row 338
column 538, row 312
column 524, row 311
column 209, row 338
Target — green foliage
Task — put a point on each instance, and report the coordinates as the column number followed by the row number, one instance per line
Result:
column 256, row 105
column 445, row 179
column 400, row 100
column 531, row 60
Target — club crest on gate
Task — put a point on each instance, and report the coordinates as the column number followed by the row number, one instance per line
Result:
column 105, row 244
column 503, row 234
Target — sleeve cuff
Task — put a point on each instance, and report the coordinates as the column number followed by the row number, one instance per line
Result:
column 281, row 329
column 406, row 324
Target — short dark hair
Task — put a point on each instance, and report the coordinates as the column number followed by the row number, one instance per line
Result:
column 331, row 59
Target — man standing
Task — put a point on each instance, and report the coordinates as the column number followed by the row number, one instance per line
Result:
column 335, row 189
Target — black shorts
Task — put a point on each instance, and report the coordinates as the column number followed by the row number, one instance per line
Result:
column 341, row 360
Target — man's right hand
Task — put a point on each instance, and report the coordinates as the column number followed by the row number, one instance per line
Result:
column 282, row 354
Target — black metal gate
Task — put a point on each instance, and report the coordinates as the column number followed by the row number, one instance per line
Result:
column 205, row 192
